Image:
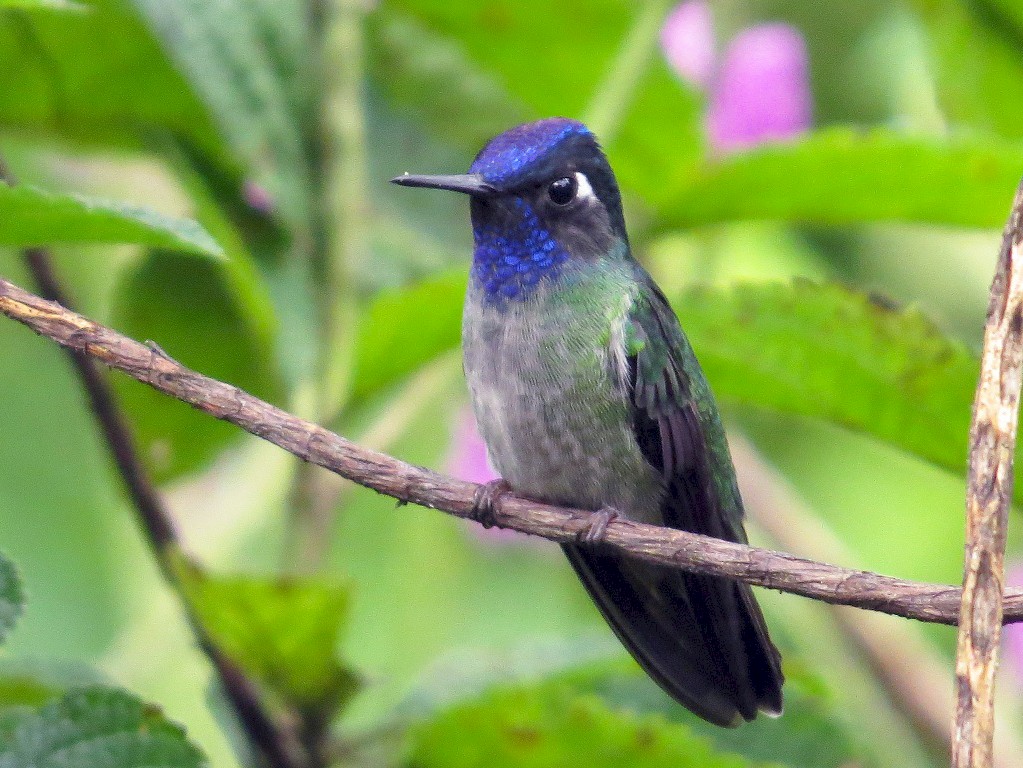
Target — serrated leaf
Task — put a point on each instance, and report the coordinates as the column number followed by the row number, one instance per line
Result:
column 283, row 633
column 97, row 728
column 840, row 176
column 549, row 725
column 12, row 597
column 210, row 316
column 832, row 353
column 29, row 216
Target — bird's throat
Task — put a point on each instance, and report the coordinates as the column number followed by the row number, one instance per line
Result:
column 515, row 254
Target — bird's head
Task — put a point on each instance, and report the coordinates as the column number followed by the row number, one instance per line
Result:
column 542, row 196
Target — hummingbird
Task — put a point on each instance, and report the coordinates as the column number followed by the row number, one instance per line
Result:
column 587, row 394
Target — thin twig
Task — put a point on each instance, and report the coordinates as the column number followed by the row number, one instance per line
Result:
column 988, row 498
column 155, row 521
column 407, row 483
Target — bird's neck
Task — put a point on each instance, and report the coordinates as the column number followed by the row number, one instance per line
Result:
column 513, row 258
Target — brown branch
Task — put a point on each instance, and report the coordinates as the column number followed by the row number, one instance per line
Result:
column 155, row 520
column 407, row 483
column 988, row 498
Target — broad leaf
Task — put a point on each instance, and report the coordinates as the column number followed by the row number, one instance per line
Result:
column 29, row 216
column 211, row 316
column 550, row 725
column 283, row 633
column 839, row 176
column 835, row 354
column 12, row 597
column 96, row 728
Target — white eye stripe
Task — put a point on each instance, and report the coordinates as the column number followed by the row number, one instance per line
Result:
column 584, row 190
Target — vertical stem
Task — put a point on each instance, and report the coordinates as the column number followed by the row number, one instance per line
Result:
column 344, row 209
column 988, row 498
column 611, row 100
column 344, row 202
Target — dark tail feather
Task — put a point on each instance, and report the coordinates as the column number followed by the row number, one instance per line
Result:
column 702, row 639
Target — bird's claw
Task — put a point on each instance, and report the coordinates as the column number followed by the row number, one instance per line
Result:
column 484, row 502
column 596, row 526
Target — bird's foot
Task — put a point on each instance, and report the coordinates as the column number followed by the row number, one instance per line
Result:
column 484, row 502
column 596, row 526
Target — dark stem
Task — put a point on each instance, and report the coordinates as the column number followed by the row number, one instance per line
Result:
column 155, row 520
column 408, row 483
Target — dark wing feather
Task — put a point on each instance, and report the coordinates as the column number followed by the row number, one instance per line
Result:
column 703, row 639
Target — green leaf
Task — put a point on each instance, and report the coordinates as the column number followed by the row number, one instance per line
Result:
column 809, row 734
column 249, row 63
column 403, row 329
column 12, row 597
column 211, row 316
column 283, row 633
column 97, row 728
column 29, row 216
column 551, row 725
column 838, row 355
column 840, row 176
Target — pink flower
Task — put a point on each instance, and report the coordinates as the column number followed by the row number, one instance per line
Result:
column 469, row 461
column 762, row 92
column 687, row 39
column 758, row 92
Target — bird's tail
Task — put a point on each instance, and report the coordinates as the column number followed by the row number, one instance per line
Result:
column 701, row 638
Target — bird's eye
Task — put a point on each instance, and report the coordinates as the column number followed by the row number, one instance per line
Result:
column 562, row 191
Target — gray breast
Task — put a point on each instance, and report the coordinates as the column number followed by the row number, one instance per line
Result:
column 551, row 406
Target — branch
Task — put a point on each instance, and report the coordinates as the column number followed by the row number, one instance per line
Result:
column 407, row 483
column 988, row 498
column 155, row 521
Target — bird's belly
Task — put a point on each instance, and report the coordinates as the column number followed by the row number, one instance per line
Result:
column 552, row 413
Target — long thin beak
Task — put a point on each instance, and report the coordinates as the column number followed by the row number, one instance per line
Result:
column 469, row 183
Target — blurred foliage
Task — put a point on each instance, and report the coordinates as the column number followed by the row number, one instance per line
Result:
column 283, row 633
column 12, row 597
column 211, row 118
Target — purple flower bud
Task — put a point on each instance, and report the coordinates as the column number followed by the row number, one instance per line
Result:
column 257, row 197
column 687, row 39
column 762, row 92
